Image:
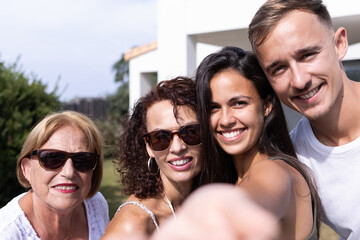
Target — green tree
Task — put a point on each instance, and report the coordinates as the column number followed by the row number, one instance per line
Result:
column 119, row 102
column 118, row 105
column 121, row 68
column 23, row 102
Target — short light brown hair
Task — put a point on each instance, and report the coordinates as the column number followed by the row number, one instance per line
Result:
column 272, row 11
column 41, row 133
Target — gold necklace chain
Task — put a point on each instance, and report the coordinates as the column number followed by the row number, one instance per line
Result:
column 52, row 231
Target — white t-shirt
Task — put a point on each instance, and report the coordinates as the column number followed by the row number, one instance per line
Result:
column 337, row 172
column 14, row 224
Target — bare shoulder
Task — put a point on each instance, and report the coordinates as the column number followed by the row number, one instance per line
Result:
column 269, row 178
column 276, row 170
column 130, row 219
column 270, row 184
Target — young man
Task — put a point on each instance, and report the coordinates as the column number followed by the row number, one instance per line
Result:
column 301, row 55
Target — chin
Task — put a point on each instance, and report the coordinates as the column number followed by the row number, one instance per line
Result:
column 184, row 178
column 316, row 114
column 233, row 152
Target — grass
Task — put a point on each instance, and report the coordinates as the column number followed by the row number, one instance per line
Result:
column 111, row 190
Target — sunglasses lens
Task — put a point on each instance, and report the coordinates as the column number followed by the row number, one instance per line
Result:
column 52, row 159
column 190, row 134
column 159, row 140
column 84, row 161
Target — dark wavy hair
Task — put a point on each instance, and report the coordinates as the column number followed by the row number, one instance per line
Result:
column 132, row 157
column 274, row 140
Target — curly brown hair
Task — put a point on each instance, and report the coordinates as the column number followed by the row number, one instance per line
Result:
column 132, row 157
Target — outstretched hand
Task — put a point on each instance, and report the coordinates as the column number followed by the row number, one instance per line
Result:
column 219, row 211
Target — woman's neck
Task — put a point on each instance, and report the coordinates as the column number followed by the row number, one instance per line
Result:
column 177, row 192
column 45, row 221
column 244, row 162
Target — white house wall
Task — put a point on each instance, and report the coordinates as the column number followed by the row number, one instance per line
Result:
column 353, row 52
column 182, row 24
column 172, row 38
column 188, row 30
column 204, row 16
column 139, row 68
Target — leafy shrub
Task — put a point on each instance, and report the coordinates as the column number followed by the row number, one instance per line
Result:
column 23, row 102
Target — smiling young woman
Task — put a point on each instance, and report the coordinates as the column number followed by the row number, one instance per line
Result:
column 245, row 136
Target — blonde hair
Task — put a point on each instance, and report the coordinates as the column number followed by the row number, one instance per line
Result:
column 41, row 133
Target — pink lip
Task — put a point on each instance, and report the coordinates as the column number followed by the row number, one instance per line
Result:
column 65, row 187
column 180, row 167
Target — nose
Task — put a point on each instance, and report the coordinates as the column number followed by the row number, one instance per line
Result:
column 299, row 77
column 227, row 118
column 177, row 144
column 68, row 169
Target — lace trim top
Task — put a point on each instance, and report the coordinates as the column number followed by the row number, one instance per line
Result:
column 14, row 225
column 152, row 215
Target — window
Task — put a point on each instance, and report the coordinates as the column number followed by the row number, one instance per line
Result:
column 352, row 69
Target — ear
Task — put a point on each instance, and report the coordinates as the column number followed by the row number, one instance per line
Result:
column 341, row 42
column 26, row 168
column 149, row 150
column 267, row 106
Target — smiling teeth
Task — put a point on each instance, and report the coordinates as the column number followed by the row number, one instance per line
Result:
column 66, row 187
column 310, row 94
column 231, row 134
column 180, row 162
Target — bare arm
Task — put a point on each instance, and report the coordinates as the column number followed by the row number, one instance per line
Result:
column 129, row 221
column 270, row 185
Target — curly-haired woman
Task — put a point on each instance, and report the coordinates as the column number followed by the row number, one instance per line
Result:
column 159, row 159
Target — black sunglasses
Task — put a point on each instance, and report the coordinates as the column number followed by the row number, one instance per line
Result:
column 52, row 159
column 160, row 140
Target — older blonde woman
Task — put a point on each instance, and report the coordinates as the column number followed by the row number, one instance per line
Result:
column 61, row 162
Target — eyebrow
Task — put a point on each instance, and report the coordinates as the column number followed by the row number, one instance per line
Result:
column 308, row 49
column 233, row 99
column 237, row 97
column 297, row 53
column 272, row 65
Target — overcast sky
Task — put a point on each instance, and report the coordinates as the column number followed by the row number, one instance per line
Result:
column 75, row 41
